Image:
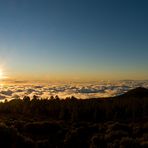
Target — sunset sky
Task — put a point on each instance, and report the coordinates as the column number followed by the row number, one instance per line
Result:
column 74, row 39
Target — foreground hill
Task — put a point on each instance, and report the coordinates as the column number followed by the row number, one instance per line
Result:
column 120, row 121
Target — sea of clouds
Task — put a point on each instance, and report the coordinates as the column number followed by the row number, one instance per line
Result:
column 63, row 90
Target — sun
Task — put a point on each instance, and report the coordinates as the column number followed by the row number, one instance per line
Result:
column 2, row 75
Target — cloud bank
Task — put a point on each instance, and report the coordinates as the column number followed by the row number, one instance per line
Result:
column 63, row 90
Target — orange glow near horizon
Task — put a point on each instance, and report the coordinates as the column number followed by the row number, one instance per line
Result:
column 2, row 75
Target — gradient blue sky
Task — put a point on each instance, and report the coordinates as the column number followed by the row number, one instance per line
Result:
column 74, row 39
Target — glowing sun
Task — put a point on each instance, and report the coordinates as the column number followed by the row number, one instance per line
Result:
column 2, row 75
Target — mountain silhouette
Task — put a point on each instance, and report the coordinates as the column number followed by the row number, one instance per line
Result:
column 138, row 92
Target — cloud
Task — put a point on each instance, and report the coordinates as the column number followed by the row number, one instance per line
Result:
column 2, row 97
column 29, row 91
column 79, row 90
column 89, row 90
column 8, row 92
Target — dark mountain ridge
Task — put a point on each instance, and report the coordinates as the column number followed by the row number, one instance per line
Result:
column 137, row 92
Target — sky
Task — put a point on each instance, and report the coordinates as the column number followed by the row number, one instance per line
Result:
column 74, row 39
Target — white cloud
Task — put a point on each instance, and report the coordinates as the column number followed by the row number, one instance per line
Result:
column 79, row 90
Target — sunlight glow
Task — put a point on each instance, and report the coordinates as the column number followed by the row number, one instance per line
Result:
column 2, row 75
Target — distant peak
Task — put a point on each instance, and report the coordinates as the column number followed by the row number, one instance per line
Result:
column 139, row 91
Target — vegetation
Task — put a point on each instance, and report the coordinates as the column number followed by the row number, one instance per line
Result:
column 120, row 121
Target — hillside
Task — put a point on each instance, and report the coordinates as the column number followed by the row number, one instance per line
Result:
column 120, row 121
column 137, row 92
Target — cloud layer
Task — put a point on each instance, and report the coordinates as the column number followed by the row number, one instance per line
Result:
column 79, row 90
